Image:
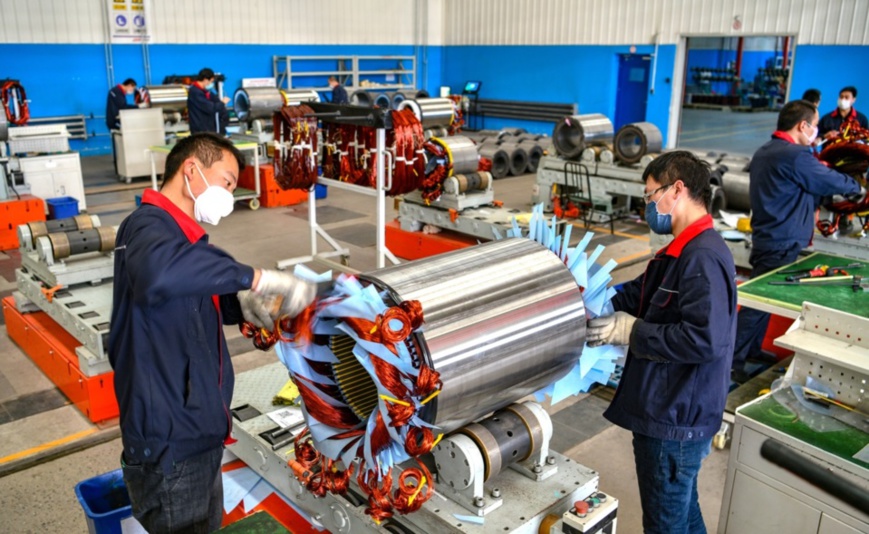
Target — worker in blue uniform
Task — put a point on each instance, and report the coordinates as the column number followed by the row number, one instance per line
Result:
column 678, row 320
column 173, row 292
column 786, row 183
column 206, row 112
column 339, row 94
column 117, row 100
column 831, row 123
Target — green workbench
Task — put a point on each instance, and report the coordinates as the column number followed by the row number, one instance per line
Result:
column 788, row 300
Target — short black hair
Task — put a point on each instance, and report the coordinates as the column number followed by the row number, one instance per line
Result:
column 206, row 146
column 795, row 112
column 333, row 78
column 671, row 167
column 205, row 74
column 129, row 81
column 813, row 96
column 851, row 89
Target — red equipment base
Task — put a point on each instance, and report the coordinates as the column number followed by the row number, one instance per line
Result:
column 416, row 245
column 17, row 212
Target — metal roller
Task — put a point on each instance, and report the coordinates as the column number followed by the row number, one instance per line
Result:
column 463, row 183
column 461, row 151
column 635, row 140
column 735, row 186
column 167, row 97
column 382, row 101
column 252, row 103
column 502, row 320
column 401, row 96
column 434, row 132
column 28, row 233
column 607, row 156
column 431, row 112
column 361, row 97
column 518, row 158
column 535, row 152
column 60, row 245
column 718, row 201
column 499, row 157
column 575, row 133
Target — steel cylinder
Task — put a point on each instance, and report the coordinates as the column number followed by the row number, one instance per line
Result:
column 361, row 97
column 499, row 158
column 464, row 183
column 735, row 186
column 431, row 112
column 461, row 151
column 167, row 97
column 253, row 103
column 575, row 133
column 65, row 244
column 635, row 140
column 382, row 101
column 408, row 94
column 30, row 232
column 501, row 320
column 718, row 201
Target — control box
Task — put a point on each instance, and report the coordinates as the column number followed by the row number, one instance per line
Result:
column 596, row 514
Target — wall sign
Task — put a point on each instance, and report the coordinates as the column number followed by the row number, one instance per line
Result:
column 128, row 21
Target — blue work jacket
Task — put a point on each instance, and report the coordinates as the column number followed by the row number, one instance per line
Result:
column 786, row 182
column 205, row 111
column 172, row 294
column 677, row 372
column 115, row 102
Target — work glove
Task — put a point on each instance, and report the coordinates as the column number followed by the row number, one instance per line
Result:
column 857, row 197
column 255, row 309
column 290, row 294
column 613, row 329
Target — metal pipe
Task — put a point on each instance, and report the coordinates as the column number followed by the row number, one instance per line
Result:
column 518, row 157
column 502, row 320
column 167, row 97
column 635, row 140
column 574, row 133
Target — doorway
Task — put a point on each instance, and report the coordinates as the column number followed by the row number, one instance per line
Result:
column 732, row 91
column 632, row 92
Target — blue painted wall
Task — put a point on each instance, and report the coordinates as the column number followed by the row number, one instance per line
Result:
column 584, row 74
column 70, row 79
column 829, row 68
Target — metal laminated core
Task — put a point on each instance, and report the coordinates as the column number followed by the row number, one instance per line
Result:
column 382, row 101
column 575, row 133
column 167, row 97
column 294, row 97
column 356, row 385
column 252, row 103
column 499, row 158
column 431, row 112
column 518, row 158
column 461, row 152
column 718, row 201
column 635, row 140
column 361, row 97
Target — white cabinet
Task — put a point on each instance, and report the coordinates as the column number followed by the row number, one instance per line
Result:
column 56, row 175
column 140, row 129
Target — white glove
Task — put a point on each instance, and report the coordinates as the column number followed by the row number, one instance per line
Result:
column 295, row 294
column 613, row 329
column 255, row 310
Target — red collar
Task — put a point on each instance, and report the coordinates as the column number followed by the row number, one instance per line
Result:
column 203, row 89
column 121, row 87
column 851, row 115
column 694, row 229
column 191, row 229
column 783, row 136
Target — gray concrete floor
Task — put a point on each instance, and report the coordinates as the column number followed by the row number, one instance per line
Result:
column 732, row 132
column 41, row 498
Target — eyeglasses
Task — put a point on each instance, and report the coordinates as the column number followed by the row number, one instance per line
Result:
column 648, row 196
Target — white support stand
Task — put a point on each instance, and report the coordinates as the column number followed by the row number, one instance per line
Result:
column 379, row 192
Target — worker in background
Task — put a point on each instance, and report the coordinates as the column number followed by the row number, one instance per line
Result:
column 339, row 94
column 831, row 123
column 785, row 184
column 205, row 110
column 813, row 96
column 117, row 100
column 173, row 293
column 678, row 320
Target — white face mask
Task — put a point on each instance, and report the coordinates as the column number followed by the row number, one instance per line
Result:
column 213, row 204
column 814, row 135
column 844, row 104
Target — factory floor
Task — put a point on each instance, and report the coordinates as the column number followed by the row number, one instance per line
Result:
column 37, row 422
column 731, row 132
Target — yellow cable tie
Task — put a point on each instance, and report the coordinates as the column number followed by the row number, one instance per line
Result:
column 415, row 493
column 436, row 441
column 430, row 397
column 373, row 329
column 394, row 401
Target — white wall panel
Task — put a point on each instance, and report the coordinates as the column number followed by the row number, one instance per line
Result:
column 52, row 21
column 532, row 22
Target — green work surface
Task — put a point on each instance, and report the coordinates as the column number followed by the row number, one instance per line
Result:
column 841, row 443
column 242, row 192
column 841, row 298
column 257, row 523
